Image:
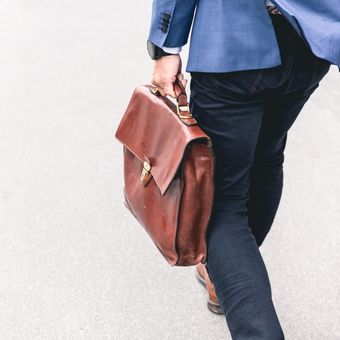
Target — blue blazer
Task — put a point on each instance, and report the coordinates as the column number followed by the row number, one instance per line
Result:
column 232, row 35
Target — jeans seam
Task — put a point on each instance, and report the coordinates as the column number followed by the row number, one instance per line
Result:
column 256, row 82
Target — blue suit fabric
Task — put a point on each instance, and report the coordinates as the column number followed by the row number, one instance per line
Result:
column 233, row 35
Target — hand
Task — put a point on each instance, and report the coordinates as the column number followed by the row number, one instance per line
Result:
column 165, row 71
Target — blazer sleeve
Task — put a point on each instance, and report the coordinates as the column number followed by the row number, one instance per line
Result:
column 171, row 22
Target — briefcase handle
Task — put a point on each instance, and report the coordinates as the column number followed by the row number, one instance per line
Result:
column 182, row 104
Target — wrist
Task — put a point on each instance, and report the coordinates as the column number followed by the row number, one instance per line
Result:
column 156, row 52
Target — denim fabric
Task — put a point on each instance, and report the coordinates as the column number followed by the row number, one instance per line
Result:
column 248, row 114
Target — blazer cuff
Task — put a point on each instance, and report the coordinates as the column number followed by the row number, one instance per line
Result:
column 171, row 22
column 172, row 50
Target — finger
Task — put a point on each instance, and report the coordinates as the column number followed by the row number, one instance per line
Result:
column 180, row 76
column 184, row 82
column 156, row 83
column 162, row 92
column 169, row 91
column 182, row 79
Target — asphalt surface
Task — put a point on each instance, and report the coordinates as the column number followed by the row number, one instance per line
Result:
column 73, row 263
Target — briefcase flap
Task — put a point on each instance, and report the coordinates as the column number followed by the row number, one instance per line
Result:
column 151, row 129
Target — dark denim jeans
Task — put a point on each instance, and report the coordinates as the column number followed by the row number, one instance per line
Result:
column 248, row 114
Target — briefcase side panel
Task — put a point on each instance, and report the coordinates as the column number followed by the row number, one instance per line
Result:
column 196, row 204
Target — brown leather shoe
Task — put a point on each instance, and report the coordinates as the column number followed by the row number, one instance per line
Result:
column 203, row 277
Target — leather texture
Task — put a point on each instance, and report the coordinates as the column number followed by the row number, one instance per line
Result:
column 173, row 200
column 204, row 278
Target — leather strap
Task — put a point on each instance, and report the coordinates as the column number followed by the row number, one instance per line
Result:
column 182, row 103
column 183, row 110
column 181, row 95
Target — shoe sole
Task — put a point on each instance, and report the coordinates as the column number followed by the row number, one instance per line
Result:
column 216, row 309
column 212, row 306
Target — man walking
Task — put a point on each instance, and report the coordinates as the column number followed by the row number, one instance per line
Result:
column 252, row 71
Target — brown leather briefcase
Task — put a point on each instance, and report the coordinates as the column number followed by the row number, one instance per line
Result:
column 168, row 173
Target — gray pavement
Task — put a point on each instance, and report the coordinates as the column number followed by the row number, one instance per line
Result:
column 73, row 263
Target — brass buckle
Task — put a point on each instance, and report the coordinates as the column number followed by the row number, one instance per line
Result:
column 181, row 108
column 155, row 91
column 146, row 173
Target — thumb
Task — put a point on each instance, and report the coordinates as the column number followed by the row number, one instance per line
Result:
column 181, row 78
column 169, row 90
